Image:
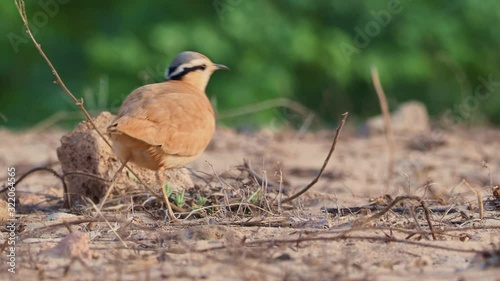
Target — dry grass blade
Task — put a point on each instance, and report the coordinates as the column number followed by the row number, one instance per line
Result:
column 479, row 199
column 276, row 187
column 98, row 210
column 387, row 119
column 325, row 163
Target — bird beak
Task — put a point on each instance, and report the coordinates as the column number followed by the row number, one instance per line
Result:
column 221, row 67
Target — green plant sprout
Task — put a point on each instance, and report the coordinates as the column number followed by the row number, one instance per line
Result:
column 255, row 197
column 201, row 201
column 168, row 190
column 179, row 199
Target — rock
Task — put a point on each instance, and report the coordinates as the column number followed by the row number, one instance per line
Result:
column 410, row 118
column 84, row 151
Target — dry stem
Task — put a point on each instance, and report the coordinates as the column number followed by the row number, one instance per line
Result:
column 387, row 120
column 79, row 102
column 479, row 199
column 393, row 203
column 53, row 172
column 340, row 237
column 325, row 163
column 20, row 5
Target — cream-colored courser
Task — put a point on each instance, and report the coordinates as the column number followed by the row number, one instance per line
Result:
column 166, row 125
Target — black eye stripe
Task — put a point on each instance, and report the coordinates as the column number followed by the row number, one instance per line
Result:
column 171, row 70
column 184, row 71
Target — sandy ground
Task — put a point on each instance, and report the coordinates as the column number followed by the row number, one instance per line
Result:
column 296, row 242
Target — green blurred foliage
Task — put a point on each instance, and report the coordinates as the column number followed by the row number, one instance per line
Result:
column 308, row 51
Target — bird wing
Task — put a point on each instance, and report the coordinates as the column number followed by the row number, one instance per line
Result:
column 170, row 115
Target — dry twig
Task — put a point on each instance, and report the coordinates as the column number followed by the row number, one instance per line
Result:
column 275, row 187
column 392, row 204
column 387, row 120
column 325, row 163
column 384, row 239
column 47, row 169
column 479, row 199
column 20, row 5
column 98, row 210
column 375, row 208
column 79, row 102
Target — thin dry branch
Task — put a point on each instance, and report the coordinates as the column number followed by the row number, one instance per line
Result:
column 59, row 176
column 85, row 175
column 442, row 231
column 325, row 163
column 21, row 8
column 79, row 102
column 36, row 231
column 98, row 210
column 53, row 172
column 387, row 120
column 275, row 187
column 228, row 205
column 384, row 239
column 428, row 218
column 398, row 199
column 36, row 169
column 375, row 208
column 319, row 235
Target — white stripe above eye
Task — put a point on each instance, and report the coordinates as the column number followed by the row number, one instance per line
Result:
column 183, row 66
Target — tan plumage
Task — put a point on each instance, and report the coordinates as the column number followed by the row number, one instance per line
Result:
column 166, row 125
column 163, row 125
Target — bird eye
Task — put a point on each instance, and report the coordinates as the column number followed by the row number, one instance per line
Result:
column 203, row 66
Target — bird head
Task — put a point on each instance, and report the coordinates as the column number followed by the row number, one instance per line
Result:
column 193, row 68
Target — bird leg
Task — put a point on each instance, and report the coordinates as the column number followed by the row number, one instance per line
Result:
column 165, row 197
column 112, row 185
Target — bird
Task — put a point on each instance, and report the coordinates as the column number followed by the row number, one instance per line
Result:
column 166, row 125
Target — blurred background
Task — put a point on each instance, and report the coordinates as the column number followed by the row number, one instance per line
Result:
column 315, row 53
